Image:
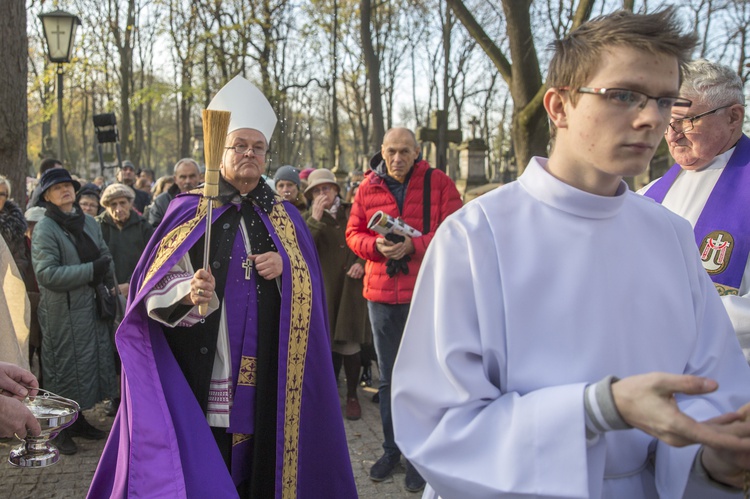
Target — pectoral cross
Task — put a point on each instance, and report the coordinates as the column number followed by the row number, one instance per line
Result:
column 248, row 266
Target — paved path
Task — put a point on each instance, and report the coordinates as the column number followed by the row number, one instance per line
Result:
column 71, row 476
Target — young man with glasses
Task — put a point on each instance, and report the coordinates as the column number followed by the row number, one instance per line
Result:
column 710, row 183
column 563, row 339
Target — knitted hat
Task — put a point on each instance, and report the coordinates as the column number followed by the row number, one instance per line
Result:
column 56, row 176
column 288, row 173
column 115, row 191
column 318, row 177
column 306, row 173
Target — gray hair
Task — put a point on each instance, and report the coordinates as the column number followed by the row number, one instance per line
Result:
column 6, row 182
column 712, row 83
column 186, row 160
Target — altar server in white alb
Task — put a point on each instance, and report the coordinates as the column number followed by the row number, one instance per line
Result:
column 564, row 339
column 710, row 183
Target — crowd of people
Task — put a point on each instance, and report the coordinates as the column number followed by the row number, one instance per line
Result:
column 558, row 337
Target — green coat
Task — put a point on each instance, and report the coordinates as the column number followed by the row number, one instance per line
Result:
column 77, row 353
column 347, row 308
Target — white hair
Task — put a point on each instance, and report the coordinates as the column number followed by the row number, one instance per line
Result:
column 6, row 182
column 712, row 83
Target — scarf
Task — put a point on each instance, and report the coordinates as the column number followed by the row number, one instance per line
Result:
column 73, row 223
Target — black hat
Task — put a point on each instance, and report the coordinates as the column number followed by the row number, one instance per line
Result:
column 53, row 177
column 89, row 189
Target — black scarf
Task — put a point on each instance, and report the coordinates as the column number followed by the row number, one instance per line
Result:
column 73, row 223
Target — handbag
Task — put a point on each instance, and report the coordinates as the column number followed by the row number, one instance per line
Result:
column 106, row 304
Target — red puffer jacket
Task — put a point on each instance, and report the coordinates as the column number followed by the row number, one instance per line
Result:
column 374, row 195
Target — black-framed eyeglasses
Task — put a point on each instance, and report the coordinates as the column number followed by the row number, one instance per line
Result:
column 633, row 99
column 242, row 149
column 686, row 124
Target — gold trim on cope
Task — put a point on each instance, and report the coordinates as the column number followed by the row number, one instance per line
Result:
column 299, row 330
column 174, row 239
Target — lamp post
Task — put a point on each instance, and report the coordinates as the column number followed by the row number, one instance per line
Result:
column 59, row 32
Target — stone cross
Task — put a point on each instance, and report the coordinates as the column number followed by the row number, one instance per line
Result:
column 439, row 135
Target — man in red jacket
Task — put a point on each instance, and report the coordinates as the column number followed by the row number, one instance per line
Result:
column 399, row 185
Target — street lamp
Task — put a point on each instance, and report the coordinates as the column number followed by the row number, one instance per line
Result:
column 59, row 32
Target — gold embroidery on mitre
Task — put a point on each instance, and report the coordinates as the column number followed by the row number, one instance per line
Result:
column 716, row 250
column 299, row 330
column 169, row 244
column 238, row 438
column 726, row 290
column 248, row 371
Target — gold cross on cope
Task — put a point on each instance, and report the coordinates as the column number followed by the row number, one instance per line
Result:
column 248, row 266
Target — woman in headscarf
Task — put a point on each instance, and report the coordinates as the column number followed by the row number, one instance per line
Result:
column 342, row 276
column 70, row 259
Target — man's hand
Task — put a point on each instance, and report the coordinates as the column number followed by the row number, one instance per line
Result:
column 15, row 417
column 356, row 271
column 14, row 380
column 726, row 465
column 647, row 402
column 269, row 265
column 395, row 251
column 124, row 288
column 201, row 288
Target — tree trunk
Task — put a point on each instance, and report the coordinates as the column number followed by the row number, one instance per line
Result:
column 13, row 96
column 333, row 145
column 372, row 70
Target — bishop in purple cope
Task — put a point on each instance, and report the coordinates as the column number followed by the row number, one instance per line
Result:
column 241, row 402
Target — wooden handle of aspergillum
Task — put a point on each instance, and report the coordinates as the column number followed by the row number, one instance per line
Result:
column 215, row 127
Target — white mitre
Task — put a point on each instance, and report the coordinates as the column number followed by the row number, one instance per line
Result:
column 248, row 105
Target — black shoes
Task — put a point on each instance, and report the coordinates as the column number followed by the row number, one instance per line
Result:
column 413, row 481
column 383, row 467
column 84, row 429
column 65, row 444
column 366, row 378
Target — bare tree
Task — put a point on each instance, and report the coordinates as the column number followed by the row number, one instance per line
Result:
column 13, row 133
column 372, row 70
column 523, row 76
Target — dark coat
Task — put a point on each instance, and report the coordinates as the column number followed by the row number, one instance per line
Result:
column 347, row 308
column 13, row 229
column 127, row 243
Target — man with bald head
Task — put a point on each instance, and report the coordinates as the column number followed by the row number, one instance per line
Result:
column 403, row 185
column 242, row 392
column 710, row 183
column 186, row 177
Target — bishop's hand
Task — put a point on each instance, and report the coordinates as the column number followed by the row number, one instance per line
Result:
column 202, row 287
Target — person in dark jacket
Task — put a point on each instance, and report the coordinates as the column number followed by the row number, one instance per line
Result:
column 124, row 230
column 13, row 228
column 70, row 258
column 395, row 185
column 186, row 178
column 127, row 176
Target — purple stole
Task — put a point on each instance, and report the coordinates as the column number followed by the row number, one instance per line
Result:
column 722, row 230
